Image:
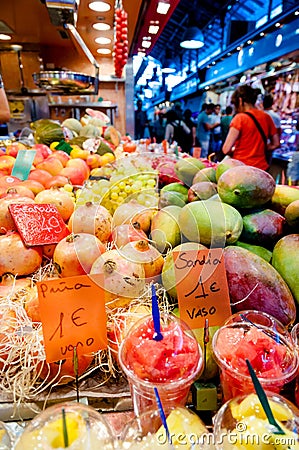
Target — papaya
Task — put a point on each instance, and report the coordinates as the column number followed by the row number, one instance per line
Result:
column 210, row 223
column 225, row 164
column 253, row 283
column 206, row 174
column 246, row 187
column 283, row 196
column 265, row 228
column 285, row 260
column 165, row 230
column 202, row 191
column 257, row 249
column 292, row 214
column 168, row 273
column 186, row 168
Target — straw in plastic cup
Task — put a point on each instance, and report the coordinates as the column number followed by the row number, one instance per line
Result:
column 241, row 423
column 170, row 364
column 147, row 432
column 272, row 356
column 85, row 428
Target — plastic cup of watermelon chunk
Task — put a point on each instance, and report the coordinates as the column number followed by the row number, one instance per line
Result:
column 272, row 355
column 170, row 364
column 295, row 337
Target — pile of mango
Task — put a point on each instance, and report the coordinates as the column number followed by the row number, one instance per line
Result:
column 238, row 208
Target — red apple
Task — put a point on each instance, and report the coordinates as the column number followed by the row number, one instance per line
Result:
column 76, row 175
column 43, row 149
column 6, row 163
column 33, row 185
column 57, row 181
column 62, row 156
column 51, row 165
column 40, row 175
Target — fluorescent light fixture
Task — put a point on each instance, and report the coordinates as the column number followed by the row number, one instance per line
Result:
column 99, row 6
column 104, row 51
column 102, row 40
column 192, row 39
column 142, row 54
column 153, row 29
column 101, row 26
column 5, row 37
column 146, row 44
column 163, row 7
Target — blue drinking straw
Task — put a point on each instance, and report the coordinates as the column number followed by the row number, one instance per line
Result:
column 276, row 337
column 156, row 316
column 162, row 415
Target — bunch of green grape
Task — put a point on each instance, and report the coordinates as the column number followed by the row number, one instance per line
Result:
column 119, row 189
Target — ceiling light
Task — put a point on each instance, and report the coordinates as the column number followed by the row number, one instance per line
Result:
column 99, row 6
column 16, row 47
column 153, row 29
column 249, row 42
column 101, row 26
column 5, row 37
column 277, row 24
column 146, row 44
column 163, row 7
column 104, row 51
column 296, row 13
column 102, row 40
column 140, row 53
column 262, row 34
column 193, row 38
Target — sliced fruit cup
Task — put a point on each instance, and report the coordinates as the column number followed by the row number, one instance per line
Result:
column 185, row 430
column 67, row 425
column 241, row 423
column 171, row 363
column 272, row 356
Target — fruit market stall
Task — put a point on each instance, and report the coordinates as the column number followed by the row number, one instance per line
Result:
column 98, row 231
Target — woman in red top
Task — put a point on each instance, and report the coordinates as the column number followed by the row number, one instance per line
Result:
column 244, row 140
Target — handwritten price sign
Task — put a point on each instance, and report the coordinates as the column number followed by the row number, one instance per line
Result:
column 202, row 287
column 38, row 224
column 73, row 315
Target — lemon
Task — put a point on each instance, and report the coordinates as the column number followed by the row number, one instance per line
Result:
column 251, row 406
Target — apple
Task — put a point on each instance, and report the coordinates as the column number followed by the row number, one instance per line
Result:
column 79, row 163
column 62, row 156
column 6, row 163
column 40, row 175
column 43, row 149
column 93, row 160
column 51, row 165
column 57, row 181
column 33, row 185
column 75, row 175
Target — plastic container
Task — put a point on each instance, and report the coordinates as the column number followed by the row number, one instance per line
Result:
column 170, row 364
column 86, row 429
column 272, row 355
column 146, row 432
column 242, row 424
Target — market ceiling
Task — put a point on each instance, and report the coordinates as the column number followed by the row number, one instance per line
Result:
column 32, row 27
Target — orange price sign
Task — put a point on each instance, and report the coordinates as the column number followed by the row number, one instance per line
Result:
column 202, row 287
column 73, row 315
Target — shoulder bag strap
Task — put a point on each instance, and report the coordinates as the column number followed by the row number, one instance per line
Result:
column 258, row 126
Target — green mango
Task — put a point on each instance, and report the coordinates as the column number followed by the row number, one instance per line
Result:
column 210, row 223
column 285, row 259
column 246, row 187
column 175, row 187
column 168, row 198
column 186, row 168
column 165, row 230
column 258, row 250
column 225, row 164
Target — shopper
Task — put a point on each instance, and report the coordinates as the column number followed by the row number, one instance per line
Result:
column 225, row 122
column 176, row 130
column 4, row 107
column 204, row 127
column 191, row 137
column 158, row 128
column 216, row 141
column 252, row 134
column 141, row 121
column 268, row 101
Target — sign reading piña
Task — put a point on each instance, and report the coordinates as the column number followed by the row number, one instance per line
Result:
column 202, row 287
column 73, row 315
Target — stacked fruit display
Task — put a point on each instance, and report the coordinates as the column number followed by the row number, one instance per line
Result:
column 120, row 48
column 123, row 227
